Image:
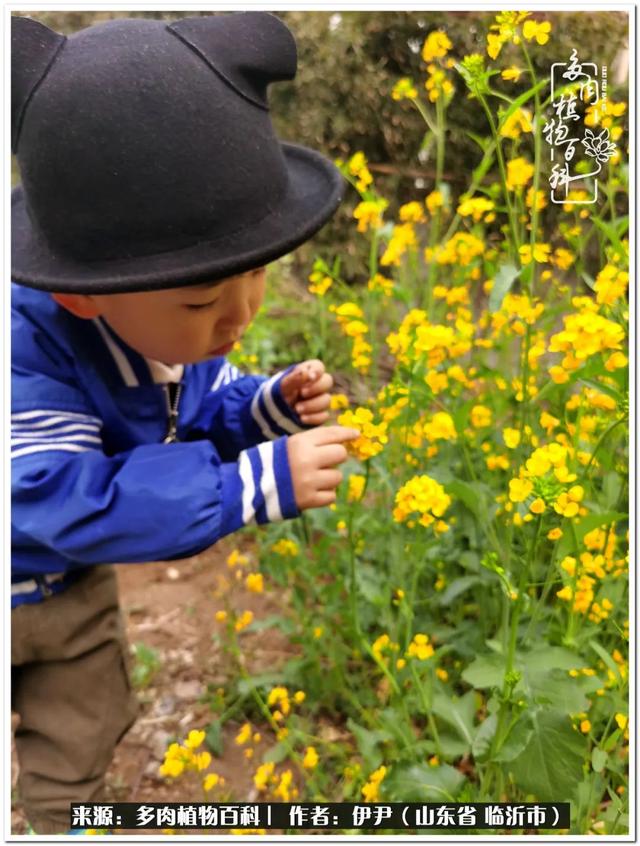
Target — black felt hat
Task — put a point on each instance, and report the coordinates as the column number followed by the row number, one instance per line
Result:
column 147, row 154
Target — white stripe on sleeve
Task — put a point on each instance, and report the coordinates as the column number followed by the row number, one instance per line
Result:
column 268, row 483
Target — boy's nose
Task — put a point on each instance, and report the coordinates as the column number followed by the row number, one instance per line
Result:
column 236, row 320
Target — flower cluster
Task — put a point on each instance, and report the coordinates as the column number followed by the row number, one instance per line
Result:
column 373, row 436
column 425, row 497
column 351, row 319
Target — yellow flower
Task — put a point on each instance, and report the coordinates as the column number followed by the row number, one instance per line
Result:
column 356, row 488
column 539, row 31
column 511, row 438
column 171, row 768
column 411, row 213
column 537, row 506
column 243, row 620
column 442, row 674
column 210, row 781
column 202, row 760
column 517, row 123
column 622, row 720
column 244, row 735
column 404, row 89
column 480, row 416
column 476, row 207
column 519, row 489
column 221, row 616
column 615, row 361
column 319, row 283
column 255, row 582
column 585, row 726
column 540, row 253
column 194, row 739
column 263, row 775
column 434, row 201
column 519, row 172
column 236, row 558
column 511, row 73
column 369, row 213
column 317, row 632
column 421, row 495
column 285, row 547
column 567, row 503
column 310, row 760
column 380, row 283
column 420, row 648
column 436, row 46
column 371, row 789
column 554, row 534
column 299, row 696
column 373, row 435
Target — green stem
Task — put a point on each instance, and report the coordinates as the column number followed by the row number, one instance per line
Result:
column 536, row 173
column 503, row 174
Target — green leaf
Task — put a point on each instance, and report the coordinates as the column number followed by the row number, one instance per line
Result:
column 421, row 783
column 608, row 660
column 598, row 759
column 550, row 765
column 213, row 738
column 277, row 753
column 481, row 745
column 589, row 280
column 371, row 584
column 457, row 587
column 611, row 488
column 610, row 232
column 545, row 658
column 520, row 101
column 516, row 740
column 458, row 713
column 471, row 494
column 368, row 743
column 502, row 282
column 485, row 671
column 556, row 689
column 245, row 686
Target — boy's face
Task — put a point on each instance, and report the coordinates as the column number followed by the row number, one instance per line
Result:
column 178, row 325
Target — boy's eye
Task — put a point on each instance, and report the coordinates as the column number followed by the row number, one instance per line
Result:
column 198, row 306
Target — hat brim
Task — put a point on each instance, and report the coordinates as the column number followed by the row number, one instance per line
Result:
column 314, row 192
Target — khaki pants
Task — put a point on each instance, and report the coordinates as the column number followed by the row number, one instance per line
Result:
column 70, row 687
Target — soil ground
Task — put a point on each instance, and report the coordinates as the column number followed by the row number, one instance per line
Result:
column 170, row 607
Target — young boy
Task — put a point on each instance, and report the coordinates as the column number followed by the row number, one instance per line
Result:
column 154, row 192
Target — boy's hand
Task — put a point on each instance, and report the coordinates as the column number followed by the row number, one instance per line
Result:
column 306, row 391
column 313, row 456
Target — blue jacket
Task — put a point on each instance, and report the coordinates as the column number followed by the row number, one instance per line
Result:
column 93, row 480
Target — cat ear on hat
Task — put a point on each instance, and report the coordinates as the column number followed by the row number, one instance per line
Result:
column 247, row 49
column 34, row 48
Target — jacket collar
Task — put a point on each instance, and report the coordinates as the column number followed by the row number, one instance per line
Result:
column 134, row 368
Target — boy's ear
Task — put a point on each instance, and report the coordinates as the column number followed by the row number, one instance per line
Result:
column 82, row 305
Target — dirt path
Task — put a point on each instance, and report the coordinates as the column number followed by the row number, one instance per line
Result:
column 170, row 608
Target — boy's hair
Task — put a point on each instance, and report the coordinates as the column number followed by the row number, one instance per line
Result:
column 148, row 156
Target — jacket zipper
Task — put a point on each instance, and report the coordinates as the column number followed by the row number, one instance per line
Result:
column 172, row 412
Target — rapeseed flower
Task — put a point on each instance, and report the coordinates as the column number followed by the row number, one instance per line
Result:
column 539, row 31
column 255, row 582
column 373, row 436
column 286, row 548
column 434, row 201
column 421, row 496
column 540, row 253
column 420, row 647
column 310, row 760
column 369, row 214
column 519, row 173
column 477, row 208
column 319, row 283
column 404, row 89
column 517, row 123
column 356, row 488
column 436, row 46
column 371, row 790
column 243, row 620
